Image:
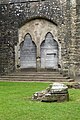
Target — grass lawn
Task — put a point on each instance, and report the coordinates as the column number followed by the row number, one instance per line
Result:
column 15, row 103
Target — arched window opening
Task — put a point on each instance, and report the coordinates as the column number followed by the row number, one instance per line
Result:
column 27, row 53
column 49, row 52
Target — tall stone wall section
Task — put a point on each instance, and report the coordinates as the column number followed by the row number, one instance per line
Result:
column 64, row 14
column 66, row 37
column 14, row 14
column 74, row 44
column 70, row 39
column 78, row 35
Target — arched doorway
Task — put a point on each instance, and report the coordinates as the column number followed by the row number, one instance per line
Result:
column 41, row 51
column 49, row 53
column 27, row 53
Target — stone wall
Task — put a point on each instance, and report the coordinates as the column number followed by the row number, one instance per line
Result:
column 70, row 39
column 78, row 36
column 65, row 14
column 15, row 14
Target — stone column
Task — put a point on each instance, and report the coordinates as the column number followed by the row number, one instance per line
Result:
column 17, row 57
column 66, row 36
column 78, row 37
column 73, row 47
column 38, row 59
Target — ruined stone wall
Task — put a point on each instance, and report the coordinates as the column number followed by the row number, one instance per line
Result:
column 14, row 14
column 78, row 36
column 70, row 38
column 8, row 35
column 73, row 45
column 70, row 59
column 65, row 14
column 68, row 42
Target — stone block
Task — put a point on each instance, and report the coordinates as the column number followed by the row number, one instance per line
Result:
column 56, row 92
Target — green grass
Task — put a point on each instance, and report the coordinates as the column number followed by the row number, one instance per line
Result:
column 15, row 103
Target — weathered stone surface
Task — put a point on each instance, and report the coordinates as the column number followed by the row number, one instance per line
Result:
column 57, row 92
column 14, row 14
column 75, row 85
column 63, row 13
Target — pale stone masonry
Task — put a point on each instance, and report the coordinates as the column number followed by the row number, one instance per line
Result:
column 57, row 92
column 60, row 18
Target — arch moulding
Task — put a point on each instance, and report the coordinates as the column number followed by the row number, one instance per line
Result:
column 38, row 29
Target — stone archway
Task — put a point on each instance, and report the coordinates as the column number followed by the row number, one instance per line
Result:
column 37, row 36
column 27, row 53
column 49, row 53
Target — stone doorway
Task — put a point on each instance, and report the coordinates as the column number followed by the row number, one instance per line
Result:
column 38, row 48
column 49, row 53
column 27, row 53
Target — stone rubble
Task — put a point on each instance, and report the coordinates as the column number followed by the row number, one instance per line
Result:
column 74, row 85
column 57, row 92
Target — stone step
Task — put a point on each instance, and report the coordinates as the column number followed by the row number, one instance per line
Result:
column 34, row 73
column 37, row 80
column 35, row 76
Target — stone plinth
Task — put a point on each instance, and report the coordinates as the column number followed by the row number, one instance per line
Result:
column 56, row 92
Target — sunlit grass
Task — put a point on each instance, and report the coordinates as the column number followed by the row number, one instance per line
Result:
column 16, row 103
